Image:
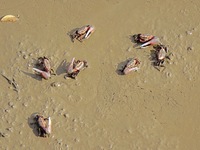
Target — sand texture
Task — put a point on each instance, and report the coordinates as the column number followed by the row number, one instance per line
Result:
column 101, row 109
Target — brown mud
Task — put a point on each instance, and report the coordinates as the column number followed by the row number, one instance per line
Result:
column 101, row 109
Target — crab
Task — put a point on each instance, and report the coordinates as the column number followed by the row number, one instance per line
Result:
column 161, row 53
column 132, row 65
column 74, row 67
column 44, row 64
column 44, row 125
column 82, row 33
column 44, row 68
column 145, row 40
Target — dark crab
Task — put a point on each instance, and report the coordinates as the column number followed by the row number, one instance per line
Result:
column 44, row 68
column 43, row 124
column 132, row 65
column 82, row 33
column 74, row 67
column 161, row 53
column 145, row 40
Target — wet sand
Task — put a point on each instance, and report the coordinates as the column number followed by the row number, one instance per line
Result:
column 100, row 110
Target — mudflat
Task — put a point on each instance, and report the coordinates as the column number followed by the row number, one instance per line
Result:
column 101, row 109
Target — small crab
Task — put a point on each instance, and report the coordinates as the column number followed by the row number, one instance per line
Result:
column 44, row 125
column 82, row 33
column 161, row 53
column 44, row 64
column 132, row 65
column 145, row 40
column 43, row 68
column 74, row 67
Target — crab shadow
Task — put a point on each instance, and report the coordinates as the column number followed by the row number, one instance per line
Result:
column 153, row 59
column 70, row 33
column 136, row 44
column 32, row 124
column 61, row 68
column 121, row 66
column 34, row 76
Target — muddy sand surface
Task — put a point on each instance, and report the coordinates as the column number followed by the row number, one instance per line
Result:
column 101, row 109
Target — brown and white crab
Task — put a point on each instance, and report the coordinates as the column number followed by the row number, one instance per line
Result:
column 161, row 53
column 82, row 33
column 132, row 65
column 74, row 67
column 44, row 68
column 44, row 64
column 145, row 40
column 43, row 125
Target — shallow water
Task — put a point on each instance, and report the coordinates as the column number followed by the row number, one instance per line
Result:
column 102, row 109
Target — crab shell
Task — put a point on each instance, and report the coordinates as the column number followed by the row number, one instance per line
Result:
column 82, row 30
column 80, row 65
column 132, row 65
column 144, row 38
column 161, row 51
column 86, row 31
column 161, row 54
column 44, row 123
column 48, row 127
column 46, row 63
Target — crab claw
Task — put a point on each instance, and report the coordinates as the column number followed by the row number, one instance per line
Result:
column 154, row 41
column 48, row 127
column 127, row 70
column 89, row 32
column 44, row 74
column 47, row 66
column 70, row 67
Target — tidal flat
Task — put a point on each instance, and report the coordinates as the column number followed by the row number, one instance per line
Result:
column 101, row 109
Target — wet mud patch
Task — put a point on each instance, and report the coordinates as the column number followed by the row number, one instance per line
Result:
column 121, row 110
